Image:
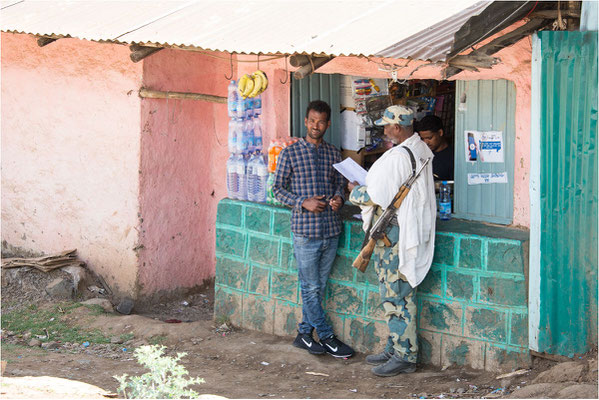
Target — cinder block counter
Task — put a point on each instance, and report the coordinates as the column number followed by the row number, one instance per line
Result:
column 472, row 305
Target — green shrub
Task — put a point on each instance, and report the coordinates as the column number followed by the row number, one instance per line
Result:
column 166, row 379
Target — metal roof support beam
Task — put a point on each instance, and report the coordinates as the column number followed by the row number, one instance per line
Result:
column 138, row 52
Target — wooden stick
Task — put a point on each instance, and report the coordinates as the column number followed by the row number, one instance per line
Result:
column 44, row 41
column 138, row 53
column 299, row 60
column 552, row 357
column 473, row 61
column 159, row 94
column 309, row 68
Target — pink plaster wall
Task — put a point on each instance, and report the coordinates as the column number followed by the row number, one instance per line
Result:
column 183, row 158
column 276, row 105
column 70, row 152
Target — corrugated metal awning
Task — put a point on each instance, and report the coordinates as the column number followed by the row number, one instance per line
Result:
column 399, row 29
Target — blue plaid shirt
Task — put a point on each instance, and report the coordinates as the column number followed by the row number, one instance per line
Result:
column 304, row 171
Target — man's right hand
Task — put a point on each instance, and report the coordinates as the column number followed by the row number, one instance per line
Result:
column 315, row 204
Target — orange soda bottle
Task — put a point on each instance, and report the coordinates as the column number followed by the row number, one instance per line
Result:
column 273, row 153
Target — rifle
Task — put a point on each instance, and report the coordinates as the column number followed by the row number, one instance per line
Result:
column 377, row 232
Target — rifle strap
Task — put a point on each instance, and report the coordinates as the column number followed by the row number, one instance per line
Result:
column 412, row 159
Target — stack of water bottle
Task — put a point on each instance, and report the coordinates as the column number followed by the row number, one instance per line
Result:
column 247, row 172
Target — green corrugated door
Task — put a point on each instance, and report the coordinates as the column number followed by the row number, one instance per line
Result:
column 568, row 192
column 315, row 87
column 485, row 106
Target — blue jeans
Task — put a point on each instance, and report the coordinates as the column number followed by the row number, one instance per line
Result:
column 314, row 261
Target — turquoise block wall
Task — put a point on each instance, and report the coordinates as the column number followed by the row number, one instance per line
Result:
column 472, row 305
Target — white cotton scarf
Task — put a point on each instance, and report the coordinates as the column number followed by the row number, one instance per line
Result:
column 416, row 216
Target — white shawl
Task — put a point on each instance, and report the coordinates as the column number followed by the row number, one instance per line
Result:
column 416, row 216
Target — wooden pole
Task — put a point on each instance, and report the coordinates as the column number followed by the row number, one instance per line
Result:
column 309, row 68
column 299, row 60
column 44, row 41
column 138, row 52
column 159, row 94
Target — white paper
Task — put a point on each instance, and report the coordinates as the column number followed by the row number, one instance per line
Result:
column 484, row 178
column 484, row 146
column 490, row 146
column 354, row 134
column 352, row 171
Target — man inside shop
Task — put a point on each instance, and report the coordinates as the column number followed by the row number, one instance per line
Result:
column 431, row 132
column 306, row 181
column 404, row 265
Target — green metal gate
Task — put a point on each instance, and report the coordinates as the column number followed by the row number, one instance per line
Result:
column 316, row 87
column 563, row 304
column 485, row 106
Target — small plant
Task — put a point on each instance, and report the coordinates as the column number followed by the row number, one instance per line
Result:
column 158, row 339
column 222, row 319
column 166, row 379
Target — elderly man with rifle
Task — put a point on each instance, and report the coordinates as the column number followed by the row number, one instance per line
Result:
column 398, row 209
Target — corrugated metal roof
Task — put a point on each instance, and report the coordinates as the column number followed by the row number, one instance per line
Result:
column 400, row 29
column 435, row 41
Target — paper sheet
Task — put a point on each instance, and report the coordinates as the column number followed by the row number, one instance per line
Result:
column 352, row 171
column 484, row 146
column 478, row 179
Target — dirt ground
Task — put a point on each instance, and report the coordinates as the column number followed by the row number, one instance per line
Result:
column 237, row 363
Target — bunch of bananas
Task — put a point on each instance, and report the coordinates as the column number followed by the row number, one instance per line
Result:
column 252, row 85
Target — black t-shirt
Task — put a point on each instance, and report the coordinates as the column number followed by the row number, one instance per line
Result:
column 443, row 164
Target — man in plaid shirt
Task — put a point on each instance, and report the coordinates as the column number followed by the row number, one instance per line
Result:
column 306, row 181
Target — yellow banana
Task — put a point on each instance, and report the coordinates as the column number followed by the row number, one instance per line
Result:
column 241, row 85
column 249, row 86
column 262, row 74
column 257, row 84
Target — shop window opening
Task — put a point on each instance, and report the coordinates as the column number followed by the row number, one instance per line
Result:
column 478, row 114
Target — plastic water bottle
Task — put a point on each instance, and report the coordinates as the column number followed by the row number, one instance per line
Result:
column 240, row 107
column 242, row 174
column 248, row 136
column 260, row 171
column 233, row 136
column 232, row 97
column 257, row 134
column 249, row 107
column 232, row 177
column 445, row 201
column 239, row 134
column 258, row 105
column 251, row 178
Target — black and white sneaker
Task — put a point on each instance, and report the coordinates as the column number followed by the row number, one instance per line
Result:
column 336, row 347
column 306, row 342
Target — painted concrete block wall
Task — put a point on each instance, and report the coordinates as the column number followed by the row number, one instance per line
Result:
column 472, row 305
column 70, row 152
